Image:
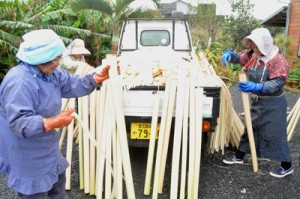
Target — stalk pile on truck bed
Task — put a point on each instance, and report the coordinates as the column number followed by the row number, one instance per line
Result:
column 151, row 51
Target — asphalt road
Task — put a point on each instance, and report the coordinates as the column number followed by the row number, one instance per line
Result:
column 217, row 180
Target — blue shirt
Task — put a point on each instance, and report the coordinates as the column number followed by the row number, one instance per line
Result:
column 28, row 154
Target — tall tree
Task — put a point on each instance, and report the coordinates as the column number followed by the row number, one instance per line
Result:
column 205, row 24
column 240, row 23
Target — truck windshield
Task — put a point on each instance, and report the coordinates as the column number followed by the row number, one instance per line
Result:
column 155, row 38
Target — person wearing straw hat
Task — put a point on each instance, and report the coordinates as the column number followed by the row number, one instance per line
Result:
column 267, row 71
column 74, row 56
column 30, row 113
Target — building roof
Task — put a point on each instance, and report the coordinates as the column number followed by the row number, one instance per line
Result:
column 277, row 19
column 176, row 2
column 168, row 8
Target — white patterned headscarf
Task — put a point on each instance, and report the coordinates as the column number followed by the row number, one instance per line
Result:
column 40, row 46
column 262, row 38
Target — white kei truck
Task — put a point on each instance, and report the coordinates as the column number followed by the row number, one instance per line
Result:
column 149, row 51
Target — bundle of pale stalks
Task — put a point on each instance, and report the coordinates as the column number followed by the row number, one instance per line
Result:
column 228, row 130
column 75, row 132
column 183, row 93
column 246, row 104
column 293, row 119
column 230, row 127
column 101, row 134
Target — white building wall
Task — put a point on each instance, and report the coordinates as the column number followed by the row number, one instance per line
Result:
column 181, row 7
column 184, row 8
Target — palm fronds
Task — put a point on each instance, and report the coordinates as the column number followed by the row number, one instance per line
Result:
column 9, row 38
column 46, row 15
column 7, row 46
column 15, row 25
column 100, row 5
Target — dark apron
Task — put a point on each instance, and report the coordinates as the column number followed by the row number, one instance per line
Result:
column 268, row 113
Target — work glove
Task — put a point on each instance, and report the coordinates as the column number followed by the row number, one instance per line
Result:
column 227, row 56
column 61, row 120
column 250, row 87
column 103, row 75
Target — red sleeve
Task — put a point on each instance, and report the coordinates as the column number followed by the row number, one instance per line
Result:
column 278, row 67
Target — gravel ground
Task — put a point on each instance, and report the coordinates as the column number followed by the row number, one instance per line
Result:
column 217, row 180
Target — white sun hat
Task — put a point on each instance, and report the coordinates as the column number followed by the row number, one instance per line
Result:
column 78, row 48
column 262, row 38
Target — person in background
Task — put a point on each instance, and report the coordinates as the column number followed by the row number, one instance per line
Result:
column 267, row 71
column 74, row 56
column 30, row 112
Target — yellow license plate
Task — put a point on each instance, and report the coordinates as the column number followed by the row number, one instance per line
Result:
column 142, row 131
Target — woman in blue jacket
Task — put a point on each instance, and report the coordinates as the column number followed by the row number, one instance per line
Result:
column 30, row 111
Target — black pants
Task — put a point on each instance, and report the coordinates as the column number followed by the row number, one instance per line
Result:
column 57, row 191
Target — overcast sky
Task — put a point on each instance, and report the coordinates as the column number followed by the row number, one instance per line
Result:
column 262, row 8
